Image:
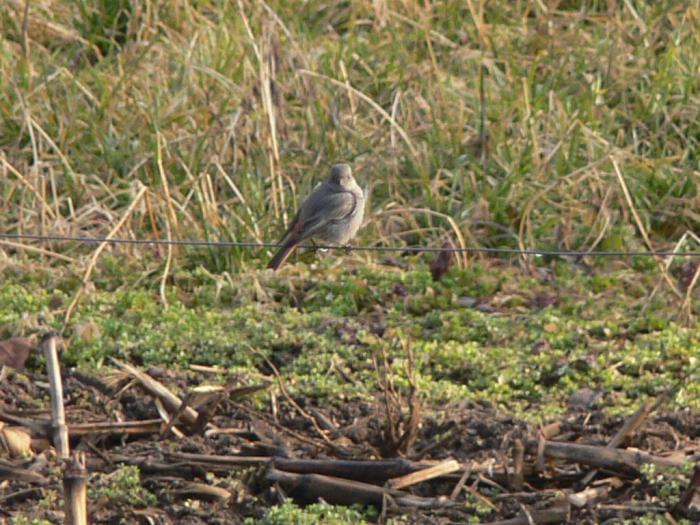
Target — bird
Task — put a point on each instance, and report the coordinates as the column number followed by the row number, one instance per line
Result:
column 331, row 214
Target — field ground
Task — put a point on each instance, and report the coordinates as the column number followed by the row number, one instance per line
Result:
column 493, row 351
column 548, row 124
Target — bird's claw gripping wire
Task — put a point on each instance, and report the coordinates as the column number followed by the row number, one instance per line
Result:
column 314, row 247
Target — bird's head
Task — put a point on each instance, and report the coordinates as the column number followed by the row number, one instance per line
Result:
column 341, row 174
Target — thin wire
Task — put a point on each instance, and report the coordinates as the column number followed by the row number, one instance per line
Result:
column 413, row 249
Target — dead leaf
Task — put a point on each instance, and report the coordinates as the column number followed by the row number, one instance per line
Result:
column 400, row 290
column 16, row 441
column 540, row 346
column 543, row 300
column 87, row 331
column 550, row 327
column 15, row 350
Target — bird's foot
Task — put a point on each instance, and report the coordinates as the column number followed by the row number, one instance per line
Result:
column 315, row 247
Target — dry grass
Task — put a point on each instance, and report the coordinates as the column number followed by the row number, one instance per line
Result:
column 497, row 119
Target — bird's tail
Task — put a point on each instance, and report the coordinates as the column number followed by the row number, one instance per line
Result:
column 284, row 252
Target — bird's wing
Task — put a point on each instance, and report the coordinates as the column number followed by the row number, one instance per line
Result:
column 296, row 224
column 324, row 208
column 292, row 226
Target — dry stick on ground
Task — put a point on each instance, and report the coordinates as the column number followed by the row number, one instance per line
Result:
column 630, row 426
column 37, row 428
column 324, row 421
column 460, row 484
column 206, row 403
column 551, row 430
column 20, row 495
column 371, row 471
column 446, row 467
column 12, row 472
column 618, row 511
column 553, row 515
column 96, row 255
column 518, row 466
column 147, row 426
column 359, row 470
column 345, row 492
column 626, row 462
column 622, row 461
column 156, row 388
column 75, row 490
column 400, row 472
column 41, row 429
column 60, row 430
column 219, row 462
column 203, row 492
column 584, row 497
column 175, row 416
column 546, row 432
column 148, row 466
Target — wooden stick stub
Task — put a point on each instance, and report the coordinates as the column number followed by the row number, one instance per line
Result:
column 75, row 478
column 58, row 415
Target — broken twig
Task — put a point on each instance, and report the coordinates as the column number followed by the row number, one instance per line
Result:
column 157, row 389
column 445, row 467
column 310, row 487
column 553, row 515
column 625, row 462
column 630, row 426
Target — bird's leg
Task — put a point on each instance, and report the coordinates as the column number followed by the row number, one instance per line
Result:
column 347, row 248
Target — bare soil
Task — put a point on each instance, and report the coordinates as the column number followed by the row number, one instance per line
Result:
column 482, row 439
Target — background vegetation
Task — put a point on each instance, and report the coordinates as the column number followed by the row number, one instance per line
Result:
column 496, row 120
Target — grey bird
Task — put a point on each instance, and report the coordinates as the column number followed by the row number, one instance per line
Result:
column 331, row 214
